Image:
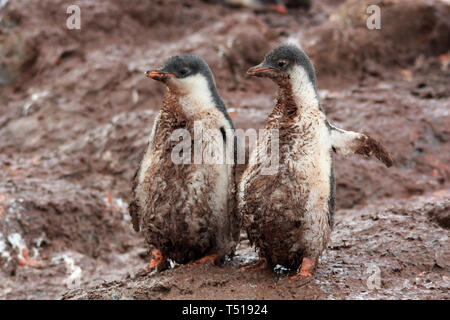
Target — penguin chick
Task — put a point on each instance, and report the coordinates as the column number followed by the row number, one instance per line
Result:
column 187, row 210
column 288, row 214
column 276, row 5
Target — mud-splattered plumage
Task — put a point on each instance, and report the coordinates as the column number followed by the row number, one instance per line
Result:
column 288, row 215
column 187, row 210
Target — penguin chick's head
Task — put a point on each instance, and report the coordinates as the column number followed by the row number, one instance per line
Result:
column 184, row 74
column 285, row 62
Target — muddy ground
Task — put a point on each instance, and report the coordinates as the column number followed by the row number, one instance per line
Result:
column 76, row 110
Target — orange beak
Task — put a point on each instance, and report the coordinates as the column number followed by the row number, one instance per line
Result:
column 158, row 75
column 259, row 69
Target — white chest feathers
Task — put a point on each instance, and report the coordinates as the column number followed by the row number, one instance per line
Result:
column 195, row 94
column 302, row 88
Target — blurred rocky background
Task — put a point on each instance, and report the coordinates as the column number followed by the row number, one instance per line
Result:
column 76, row 112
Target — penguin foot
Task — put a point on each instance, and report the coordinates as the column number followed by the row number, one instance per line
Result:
column 157, row 262
column 299, row 280
column 25, row 260
column 306, row 272
column 211, row 259
column 254, row 266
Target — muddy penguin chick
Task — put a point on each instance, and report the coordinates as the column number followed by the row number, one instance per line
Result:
column 187, row 210
column 288, row 213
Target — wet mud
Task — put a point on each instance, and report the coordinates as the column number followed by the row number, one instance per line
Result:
column 76, row 111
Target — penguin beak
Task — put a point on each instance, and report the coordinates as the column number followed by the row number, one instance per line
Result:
column 260, row 70
column 279, row 8
column 158, row 75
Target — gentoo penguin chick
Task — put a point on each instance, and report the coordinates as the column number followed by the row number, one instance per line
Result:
column 288, row 213
column 187, row 210
column 276, row 5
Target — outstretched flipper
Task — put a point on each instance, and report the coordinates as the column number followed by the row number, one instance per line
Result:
column 349, row 142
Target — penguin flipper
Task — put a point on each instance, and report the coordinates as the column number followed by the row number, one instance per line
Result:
column 350, row 142
column 134, row 208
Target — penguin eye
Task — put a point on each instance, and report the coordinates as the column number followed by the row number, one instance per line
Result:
column 281, row 63
column 183, row 72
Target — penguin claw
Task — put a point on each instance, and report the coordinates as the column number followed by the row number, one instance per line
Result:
column 300, row 280
column 156, row 263
column 254, row 266
column 306, row 273
column 301, row 274
column 147, row 270
column 211, row 259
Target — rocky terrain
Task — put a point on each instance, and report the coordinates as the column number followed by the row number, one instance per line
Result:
column 76, row 111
